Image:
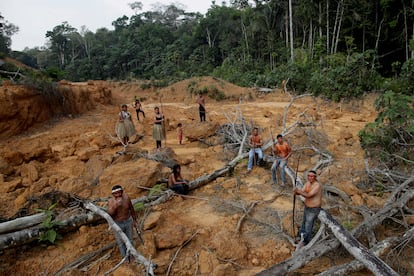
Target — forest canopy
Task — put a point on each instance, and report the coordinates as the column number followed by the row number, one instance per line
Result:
column 337, row 49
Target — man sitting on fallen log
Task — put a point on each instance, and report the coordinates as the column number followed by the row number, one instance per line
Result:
column 312, row 191
column 120, row 208
column 255, row 143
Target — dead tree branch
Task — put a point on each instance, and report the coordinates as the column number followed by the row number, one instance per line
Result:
column 246, row 213
column 178, row 251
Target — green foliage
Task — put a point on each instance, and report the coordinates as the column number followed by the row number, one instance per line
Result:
column 393, row 130
column 348, row 225
column 49, row 235
column 139, row 206
column 155, row 190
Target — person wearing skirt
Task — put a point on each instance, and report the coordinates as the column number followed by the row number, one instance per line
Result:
column 125, row 127
column 158, row 129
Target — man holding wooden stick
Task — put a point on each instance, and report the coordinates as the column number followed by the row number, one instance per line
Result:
column 122, row 211
column 312, row 191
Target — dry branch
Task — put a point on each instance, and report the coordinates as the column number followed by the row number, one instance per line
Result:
column 246, row 213
column 83, row 259
column 178, row 251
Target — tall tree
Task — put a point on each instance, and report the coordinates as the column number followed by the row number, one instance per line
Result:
column 7, row 30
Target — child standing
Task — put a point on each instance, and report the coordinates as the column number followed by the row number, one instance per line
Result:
column 180, row 132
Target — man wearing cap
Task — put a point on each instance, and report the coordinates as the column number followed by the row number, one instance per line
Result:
column 120, row 208
column 312, row 191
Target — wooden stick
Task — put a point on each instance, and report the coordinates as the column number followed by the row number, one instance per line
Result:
column 246, row 213
column 163, row 122
column 178, row 251
column 294, row 199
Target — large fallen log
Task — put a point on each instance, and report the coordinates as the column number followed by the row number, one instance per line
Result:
column 22, row 223
column 379, row 249
column 303, row 257
column 353, row 246
column 25, row 236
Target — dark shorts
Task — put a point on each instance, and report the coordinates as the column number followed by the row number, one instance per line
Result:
column 180, row 189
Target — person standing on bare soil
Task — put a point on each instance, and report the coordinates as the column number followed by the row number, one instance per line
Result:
column 282, row 151
column 180, row 133
column 138, row 108
column 201, row 107
column 312, row 191
column 157, row 131
column 122, row 211
column 176, row 181
column 125, row 127
column 255, row 143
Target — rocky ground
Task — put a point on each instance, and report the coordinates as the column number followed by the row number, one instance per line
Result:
column 77, row 154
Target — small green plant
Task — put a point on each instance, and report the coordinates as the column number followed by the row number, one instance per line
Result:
column 50, row 235
column 139, row 206
column 155, row 190
column 348, row 225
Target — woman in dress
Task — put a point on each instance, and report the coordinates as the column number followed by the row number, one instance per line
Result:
column 125, row 127
column 158, row 131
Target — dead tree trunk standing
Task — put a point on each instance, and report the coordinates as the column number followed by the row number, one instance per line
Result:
column 292, row 56
column 149, row 266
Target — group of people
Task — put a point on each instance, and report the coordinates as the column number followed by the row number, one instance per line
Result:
column 126, row 128
column 122, row 211
column 281, row 151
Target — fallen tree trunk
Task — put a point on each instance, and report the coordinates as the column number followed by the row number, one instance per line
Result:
column 379, row 249
column 355, row 248
column 22, row 223
column 303, row 257
column 25, row 236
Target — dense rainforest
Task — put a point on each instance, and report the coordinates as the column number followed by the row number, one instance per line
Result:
column 337, row 49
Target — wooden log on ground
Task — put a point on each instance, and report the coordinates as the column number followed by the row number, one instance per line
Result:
column 355, row 248
column 22, row 223
column 25, row 236
column 379, row 249
column 303, row 257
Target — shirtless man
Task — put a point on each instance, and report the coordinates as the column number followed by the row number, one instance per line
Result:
column 121, row 210
column 255, row 143
column 138, row 108
column 312, row 191
column 201, row 107
column 283, row 151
